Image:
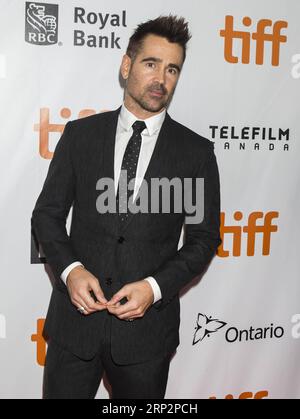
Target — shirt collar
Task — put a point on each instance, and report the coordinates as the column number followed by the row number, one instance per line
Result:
column 153, row 124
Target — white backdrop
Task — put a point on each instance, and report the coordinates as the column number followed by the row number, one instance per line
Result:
column 255, row 293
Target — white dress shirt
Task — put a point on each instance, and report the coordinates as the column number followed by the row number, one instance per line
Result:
column 149, row 138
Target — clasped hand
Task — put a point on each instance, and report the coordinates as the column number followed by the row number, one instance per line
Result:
column 81, row 283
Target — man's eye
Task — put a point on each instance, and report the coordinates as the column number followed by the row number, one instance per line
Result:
column 151, row 65
column 173, row 71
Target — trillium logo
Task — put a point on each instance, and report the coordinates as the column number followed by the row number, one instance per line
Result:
column 41, row 20
column 205, row 327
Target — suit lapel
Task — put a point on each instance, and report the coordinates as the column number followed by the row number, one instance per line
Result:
column 108, row 133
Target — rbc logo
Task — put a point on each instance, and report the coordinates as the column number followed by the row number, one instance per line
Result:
column 41, row 20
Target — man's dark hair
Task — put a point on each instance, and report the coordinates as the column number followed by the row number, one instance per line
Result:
column 174, row 29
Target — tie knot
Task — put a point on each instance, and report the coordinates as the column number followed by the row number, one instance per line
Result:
column 139, row 126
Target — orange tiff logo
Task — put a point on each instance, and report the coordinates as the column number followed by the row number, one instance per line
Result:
column 250, row 231
column 45, row 127
column 41, row 345
column 261, row 36
column 247, row 395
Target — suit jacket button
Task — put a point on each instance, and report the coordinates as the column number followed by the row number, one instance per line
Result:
column 108, row 281
column 121, row 239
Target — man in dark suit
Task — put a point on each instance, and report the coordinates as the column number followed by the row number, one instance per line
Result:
column 115, row 301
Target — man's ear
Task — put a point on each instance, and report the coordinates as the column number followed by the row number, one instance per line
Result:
column 125, row 66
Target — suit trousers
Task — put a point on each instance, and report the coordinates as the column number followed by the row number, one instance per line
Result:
column 69, row 377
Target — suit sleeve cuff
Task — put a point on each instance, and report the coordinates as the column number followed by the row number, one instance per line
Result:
column 155, row 288
column 68, row 269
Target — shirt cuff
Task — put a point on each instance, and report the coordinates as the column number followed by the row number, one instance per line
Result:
column 68, row 269
column 155, row 288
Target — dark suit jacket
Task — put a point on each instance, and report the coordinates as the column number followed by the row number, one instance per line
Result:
column 146, row 245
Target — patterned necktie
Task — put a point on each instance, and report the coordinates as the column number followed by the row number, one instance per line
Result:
column 129, row 163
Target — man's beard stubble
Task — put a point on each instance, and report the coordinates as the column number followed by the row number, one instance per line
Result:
column 144, row 104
